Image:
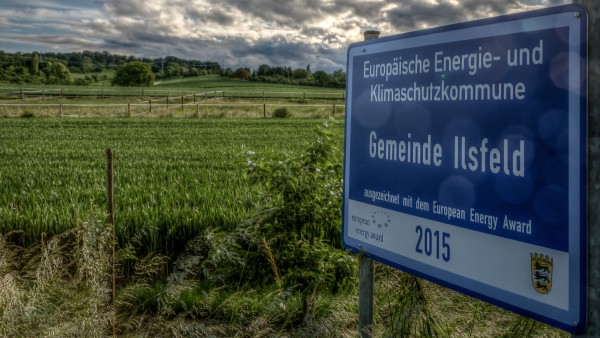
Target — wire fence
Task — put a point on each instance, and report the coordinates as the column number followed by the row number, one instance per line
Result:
column 22, row 94
column 150, row 103
column 162, row 108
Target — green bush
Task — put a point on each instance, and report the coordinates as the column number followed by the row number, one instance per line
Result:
column 292, row 242
column 282, row 112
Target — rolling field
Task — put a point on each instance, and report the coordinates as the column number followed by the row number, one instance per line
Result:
column 207, row 96
column 173, row 87
column 215, row 81
column 174, row 176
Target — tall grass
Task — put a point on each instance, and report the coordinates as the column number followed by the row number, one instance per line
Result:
column 57, row 287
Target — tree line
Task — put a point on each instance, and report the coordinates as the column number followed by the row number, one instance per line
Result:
column 58, row 68
column 95, row 67
column 287, row 75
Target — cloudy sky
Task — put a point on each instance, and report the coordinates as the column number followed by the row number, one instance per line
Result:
column 232, row 32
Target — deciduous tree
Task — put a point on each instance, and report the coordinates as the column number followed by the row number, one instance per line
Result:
column 58, row 73
column 134, row 73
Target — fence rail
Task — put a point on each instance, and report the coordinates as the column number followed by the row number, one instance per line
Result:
column 47, row 93
column 175, row 109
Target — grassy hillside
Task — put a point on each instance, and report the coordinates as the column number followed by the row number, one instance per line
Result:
column 103, row 78
column 172, row 87
column 215, row 81
column 210, row 81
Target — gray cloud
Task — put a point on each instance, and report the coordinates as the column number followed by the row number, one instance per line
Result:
column 53, row 40
column 292, row 13
column 218, row 16
column 239, row 33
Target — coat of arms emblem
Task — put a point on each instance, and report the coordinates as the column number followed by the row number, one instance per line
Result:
column 541, row 272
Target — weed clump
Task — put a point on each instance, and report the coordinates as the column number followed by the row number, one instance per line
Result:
column 57, row 287
column 282, row 112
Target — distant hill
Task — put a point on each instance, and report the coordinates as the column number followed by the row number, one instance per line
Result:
column 98, row 68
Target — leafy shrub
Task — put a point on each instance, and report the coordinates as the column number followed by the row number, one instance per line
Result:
column 294, row 240
column 82, row 81
column 282, row 112
column 298, row 229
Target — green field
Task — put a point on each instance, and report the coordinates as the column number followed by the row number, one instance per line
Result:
column 215, row 81
column 207, row 96
column 173, row 175
column 213, row 85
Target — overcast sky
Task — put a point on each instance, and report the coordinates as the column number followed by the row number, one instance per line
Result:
column 235, row 33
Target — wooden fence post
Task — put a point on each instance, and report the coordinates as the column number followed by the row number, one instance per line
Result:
column 128, row 109
column 111, row 222
column 264, row 110
column 111, row 211
column 150, row 105
column 366, row 295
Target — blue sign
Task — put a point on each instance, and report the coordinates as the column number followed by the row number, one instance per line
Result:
column 465, row 158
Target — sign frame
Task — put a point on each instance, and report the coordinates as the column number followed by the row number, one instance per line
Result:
column 571, row 315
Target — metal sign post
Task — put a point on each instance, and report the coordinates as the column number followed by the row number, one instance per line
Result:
column 465, row 158
column 593, row 309
column 366, row 288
